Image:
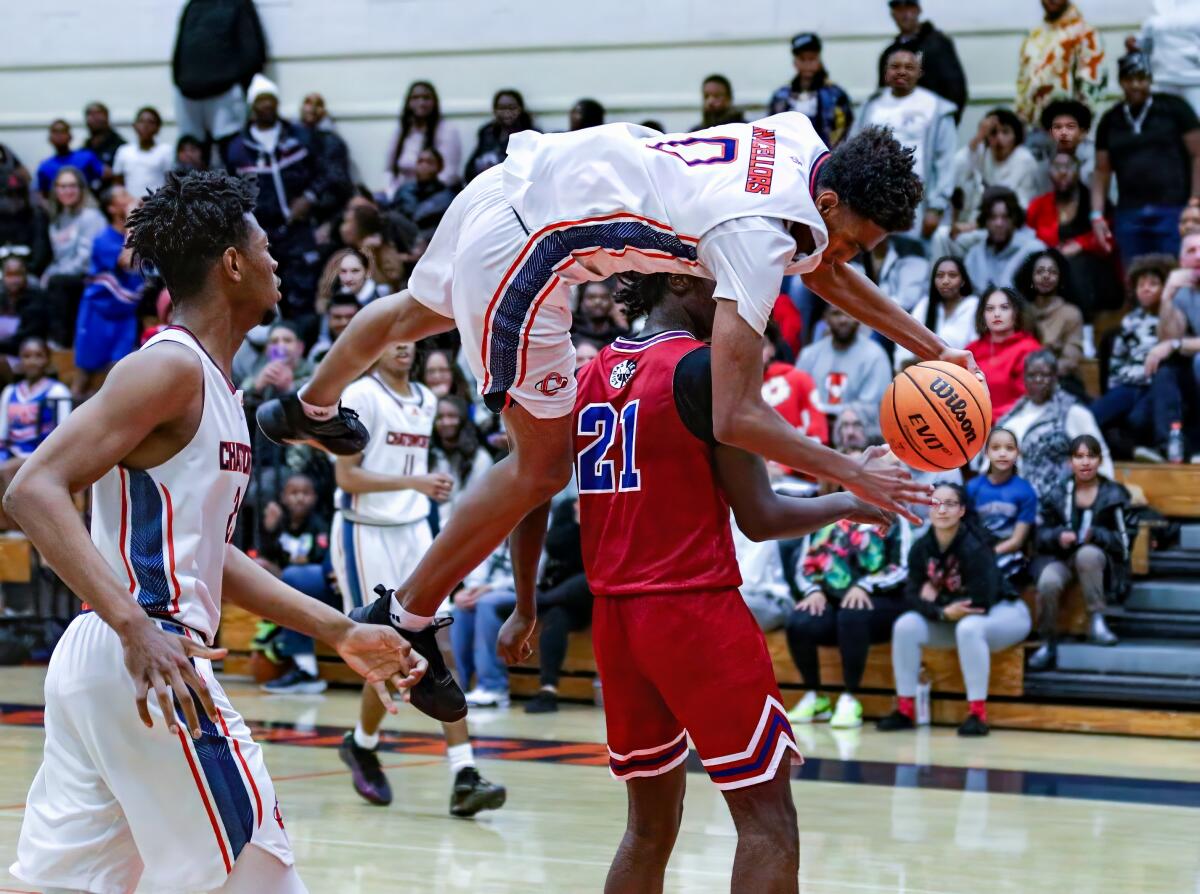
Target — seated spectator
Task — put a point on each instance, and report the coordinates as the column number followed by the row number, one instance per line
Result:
column 1006, row 337
column 143, row 167
column 333, row 155
column 349, row 270
column 11, row 165
column 423, row 127
column 851, row 578
column 74, row 225
column 24, row 309
column 438, row 372
column 189, row 155
column 424, row 199
column 846, row 365
column 994, row 262
column 791, row 391
column 29, row 411
column 813, row 94
column 1151, row 144
column 856, row 426
column 1044, row 280
column 293, row 532
column 585, row 352
column 102, row 140
column 340, row 311
column 717, row 107
column 455, row 451
column 764, row 588
column 1006, row 506
column 955, row 600
column 1044, row 421
column 1082, row 534
column 281, row 368
column 486, row 597
column 1176, row 366
column 1069, row 123
column 363, row 227
column 949, row 309
column 164, row 309
column 1189, row 218
column 1127, row 408
column 84, row 161
column 585, row 113
column 899, row 267
column 996, row 156
column 107, row 328
column 491, row 144
column 24, row 227
column 596, row 317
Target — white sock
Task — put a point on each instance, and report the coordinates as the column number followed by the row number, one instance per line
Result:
column 312, row 411
column 401, row 617
column 306, row 663
column 362, row 740
column 460, row 756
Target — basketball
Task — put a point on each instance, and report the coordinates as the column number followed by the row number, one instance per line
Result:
column 936, row 416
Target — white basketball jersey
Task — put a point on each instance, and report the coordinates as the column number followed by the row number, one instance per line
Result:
column 164, row 530
column 400, row 429
column 670, row 188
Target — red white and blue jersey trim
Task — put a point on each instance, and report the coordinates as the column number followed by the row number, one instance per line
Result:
column 649, row 761
column 635, row 346
column 147, row 541
column 760, row 760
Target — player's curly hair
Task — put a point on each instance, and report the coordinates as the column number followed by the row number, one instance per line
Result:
column 182, row 228
column 639, row 293
column 873, row 174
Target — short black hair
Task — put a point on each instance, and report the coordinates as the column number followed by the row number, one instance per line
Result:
column 591, row 112
column 901, row 48
column 343, row 298
column 639, row 293
column 186, row 225
column 719, row 79
column 1159, row 265
column 151, row 110
column 187, row 140
column 873, row 174
column 1009, row 119
column 1091, row 442
column 1012, row 205
column 1068, row 108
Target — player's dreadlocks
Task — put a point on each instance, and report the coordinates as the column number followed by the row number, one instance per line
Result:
column 639, row 293
column 185, row 226
column 873, row 174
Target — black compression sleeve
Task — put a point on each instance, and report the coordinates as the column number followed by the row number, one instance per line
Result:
column 693, row 393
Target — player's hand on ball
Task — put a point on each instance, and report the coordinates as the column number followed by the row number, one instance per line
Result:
column 863, row 513
column 381, row 656
column 513, row 643
column 964, row 359
column 883, row 482
column 160, row 661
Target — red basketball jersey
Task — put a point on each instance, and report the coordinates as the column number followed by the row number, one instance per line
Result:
column 652, row 516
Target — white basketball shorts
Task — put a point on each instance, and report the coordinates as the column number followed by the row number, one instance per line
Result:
column 366, row 555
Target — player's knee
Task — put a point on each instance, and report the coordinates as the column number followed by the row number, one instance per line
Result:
column 547, row 477
column 766, row 814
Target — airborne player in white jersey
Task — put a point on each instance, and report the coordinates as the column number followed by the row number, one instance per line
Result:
column 150, row 777
column 740, row 204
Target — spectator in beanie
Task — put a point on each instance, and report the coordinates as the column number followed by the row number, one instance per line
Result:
column 102, row 140
column 491, row 146
column 717, row 103
column 83, row 160
column 423, row 127
column 941, row 70
column 142, row 167
column 1061, row 59
column 812, row 94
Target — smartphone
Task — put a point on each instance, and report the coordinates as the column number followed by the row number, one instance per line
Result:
column 277, row 352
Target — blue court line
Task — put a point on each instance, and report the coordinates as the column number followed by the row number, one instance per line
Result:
column 886, row 774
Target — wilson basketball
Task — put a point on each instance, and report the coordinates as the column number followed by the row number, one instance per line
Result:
column 936, row 416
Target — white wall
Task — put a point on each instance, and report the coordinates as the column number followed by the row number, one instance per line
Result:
column 641, row 59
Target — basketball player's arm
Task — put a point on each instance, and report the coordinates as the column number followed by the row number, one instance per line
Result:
column 145, row 412
column 354, row 479
column 843, row 286
column 377, row 654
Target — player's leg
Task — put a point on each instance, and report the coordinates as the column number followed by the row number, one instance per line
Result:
column 767, row 858
column 651, row 827
column 257, row 872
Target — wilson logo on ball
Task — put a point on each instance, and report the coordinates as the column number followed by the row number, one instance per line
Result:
column 956, row 405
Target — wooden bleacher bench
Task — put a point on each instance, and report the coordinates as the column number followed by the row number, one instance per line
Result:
column 16, row 560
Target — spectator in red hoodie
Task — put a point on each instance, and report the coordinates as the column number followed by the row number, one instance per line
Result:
column 790, row 390
column 1007, row 335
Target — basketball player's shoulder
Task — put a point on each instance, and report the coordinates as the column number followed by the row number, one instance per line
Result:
column 164, row 366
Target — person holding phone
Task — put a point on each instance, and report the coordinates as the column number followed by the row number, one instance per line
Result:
column 956, row 601
column 281, row 367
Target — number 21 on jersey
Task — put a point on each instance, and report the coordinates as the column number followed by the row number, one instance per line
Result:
column 603, row 422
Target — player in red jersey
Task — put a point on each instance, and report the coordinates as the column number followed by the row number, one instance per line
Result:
column 678, row 651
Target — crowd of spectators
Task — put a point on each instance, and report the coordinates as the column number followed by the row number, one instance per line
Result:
column 1050, row 219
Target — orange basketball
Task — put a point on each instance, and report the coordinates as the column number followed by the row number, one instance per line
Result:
column 936, row 416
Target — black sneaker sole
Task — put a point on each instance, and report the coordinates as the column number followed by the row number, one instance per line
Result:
column 486, row 799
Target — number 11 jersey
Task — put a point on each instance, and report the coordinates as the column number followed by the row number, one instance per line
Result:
column 652, row 515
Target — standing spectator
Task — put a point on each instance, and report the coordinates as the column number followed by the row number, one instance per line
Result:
column 846, row 365
column 1045, row 282
column 791, row 391
column 1006, row 337
column 11, row 165
column 1062, row 59
column 270, row 151
column 1151, row 143
column 948, row 309
column 349, row 270
column 24, row 228
column 764, row 588
column 102, row 140
column 74, row 225
column 83, row 160
column 1175, row 365
column 143, row 167
column 955, row 599
column 717, row 106
column 1068, row 122
column 1083, row 534
column 339, row 311
column 941, row 71
column 107, row 328
column 1044, row 421
column 585, row 113
column 595, row 320
column 491, row 145
column 1006, row 506
column 424, row 200
column 423, row 127
column 1171, row 38
column 455, row 451
column 333, row 155
column 219, row 47
column 994, row 262
column 812, row 94
column 189, row 155
column 922, row 121
column 899, row 267
column 294, row 532
column 281, row 367
column 996, row 156
column 24, row 309
column 1127, row 407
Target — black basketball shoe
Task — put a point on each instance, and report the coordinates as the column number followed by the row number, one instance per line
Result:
column 284, row 421
column 437, row 694
column 472, row 793
column 369, row 779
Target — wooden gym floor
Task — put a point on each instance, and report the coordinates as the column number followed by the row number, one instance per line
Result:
column 923, row 813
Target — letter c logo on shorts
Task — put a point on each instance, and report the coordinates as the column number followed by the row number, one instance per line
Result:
column 552, row 384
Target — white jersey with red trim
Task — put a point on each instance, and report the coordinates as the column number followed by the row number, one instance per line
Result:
column 668, row 189
column 164, row 530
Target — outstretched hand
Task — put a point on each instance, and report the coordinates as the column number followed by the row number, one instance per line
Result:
column 883, row 482
column 161, row 661
column 381, row 656
column 863, row 513
column 512, row 645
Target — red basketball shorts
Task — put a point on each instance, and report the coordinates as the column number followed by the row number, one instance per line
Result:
column 694, row 664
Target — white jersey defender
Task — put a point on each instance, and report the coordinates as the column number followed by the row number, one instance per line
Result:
column 577, row 207
column 378, row 538
column 115, row 804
